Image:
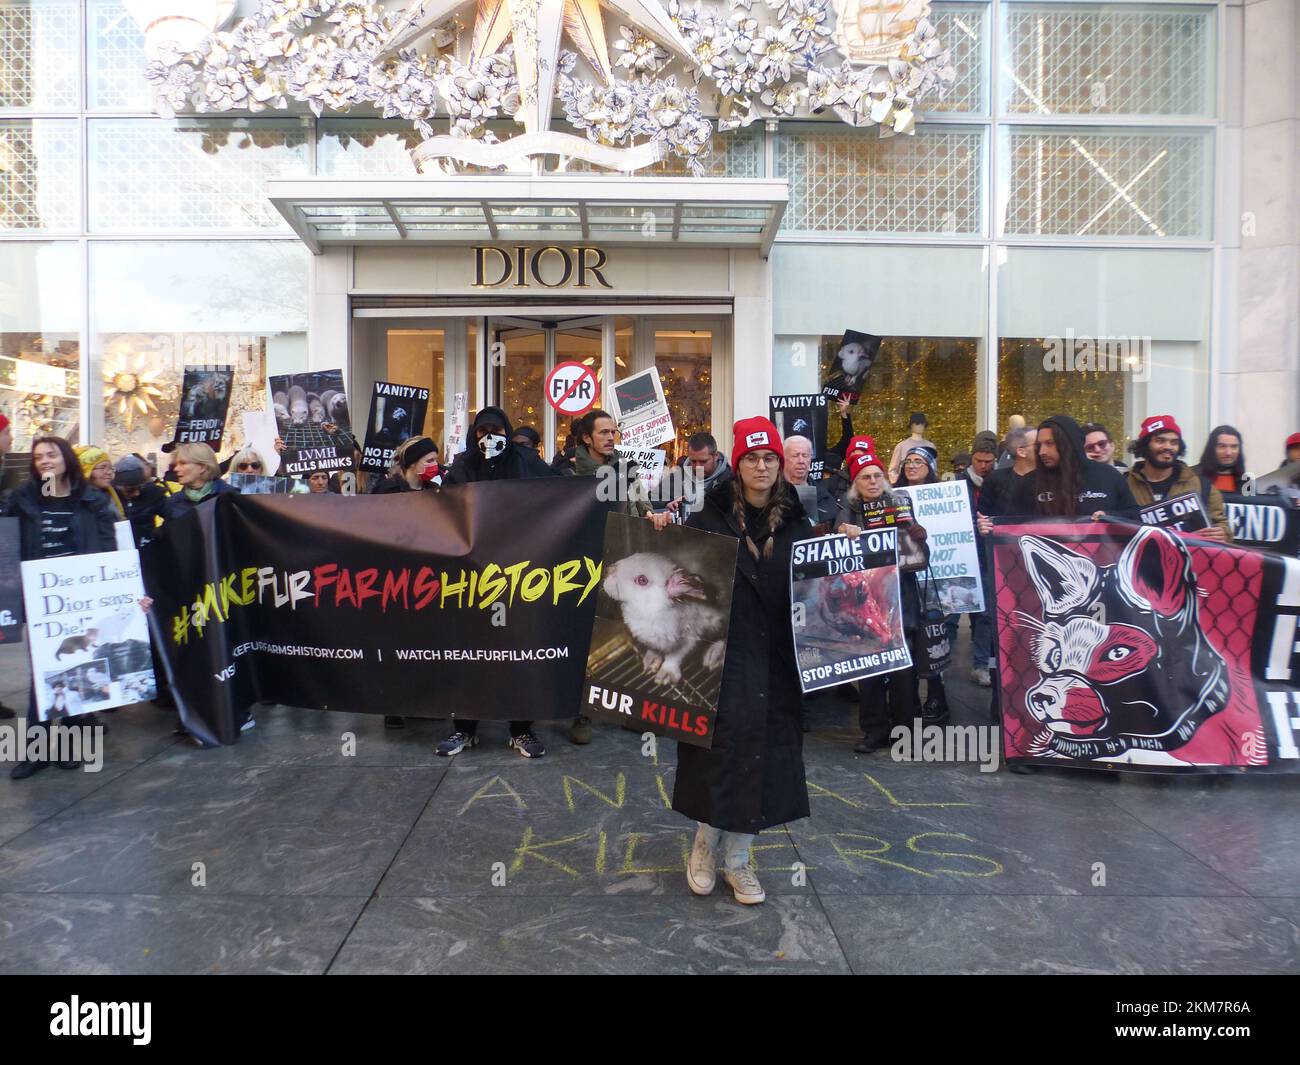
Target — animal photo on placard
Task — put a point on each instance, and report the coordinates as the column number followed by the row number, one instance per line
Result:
column 661, row 627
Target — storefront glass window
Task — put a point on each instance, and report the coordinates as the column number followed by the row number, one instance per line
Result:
column 40, row 350
column 1105, row 335
column 159, row 307
column 684, row 358
column 159, row 174
column 116, row 59
column 1087, row 182
column 418, row 357
column 39, row 64
column 1108, row 59
column 40, row 175
column 963, row 28
column 845, row 180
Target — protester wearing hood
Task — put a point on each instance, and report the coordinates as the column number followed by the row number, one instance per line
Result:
column 491, row 455
column 58, row 514
column 141, row 497
column 1160, row 474
column 594, row 452
column 1223, row 462
column 753, row 776
column 415, row 468
column 527, row 436
column 1065, row 484
column 889, row 699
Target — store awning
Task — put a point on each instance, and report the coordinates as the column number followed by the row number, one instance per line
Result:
column 557, row 209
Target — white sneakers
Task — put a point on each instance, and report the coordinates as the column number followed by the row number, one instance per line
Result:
column 981, row 677
column 744, row 884
column 701, row 869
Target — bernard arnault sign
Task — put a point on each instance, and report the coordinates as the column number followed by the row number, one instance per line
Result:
column 549, row 266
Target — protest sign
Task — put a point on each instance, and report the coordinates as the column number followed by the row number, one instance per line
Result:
column 397, row 413
column 847, row 610
column 1270, row 522
column 87, row 633
column 205, row 402
column 661, row 629
column 424, row 601
column 846, row 373
column 260, row 432
column 641, row 410
column 305, row 461
column 649, row 465
column 1184, row 513
column 803, row 415
column 943, row 511
column 1131, row 646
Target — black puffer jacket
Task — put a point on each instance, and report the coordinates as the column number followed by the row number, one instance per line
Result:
column 93, row 517
column 513, row 463
column 1101, row 486
column 753, row 776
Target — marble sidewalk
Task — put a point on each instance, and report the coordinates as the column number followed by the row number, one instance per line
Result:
column 286, row 854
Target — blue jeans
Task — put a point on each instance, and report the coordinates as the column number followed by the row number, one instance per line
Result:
column 734, row 845
column 981, row 637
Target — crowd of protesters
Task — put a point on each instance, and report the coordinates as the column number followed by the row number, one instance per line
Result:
column 763, row 495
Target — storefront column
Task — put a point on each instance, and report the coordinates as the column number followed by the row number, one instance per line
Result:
column 751, row 342
column 330, row 323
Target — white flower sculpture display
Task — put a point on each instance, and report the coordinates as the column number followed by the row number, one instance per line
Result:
column 655, row 80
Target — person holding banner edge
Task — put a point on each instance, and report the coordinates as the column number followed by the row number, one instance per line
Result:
column 753, row 776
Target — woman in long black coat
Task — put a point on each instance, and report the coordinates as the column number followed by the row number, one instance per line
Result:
column 753, row 776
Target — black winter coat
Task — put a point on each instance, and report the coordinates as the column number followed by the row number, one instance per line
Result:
column 143, row 509
column 1101, row 486
column 92, row 520
column 753, row 775
column 513, row 463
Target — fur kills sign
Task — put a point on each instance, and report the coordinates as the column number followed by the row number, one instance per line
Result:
column 660, row 636
column 1130, row 645
column 847, row 611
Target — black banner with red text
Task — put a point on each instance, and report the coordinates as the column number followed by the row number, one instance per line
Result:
column 1134, row 647
column 411, row 603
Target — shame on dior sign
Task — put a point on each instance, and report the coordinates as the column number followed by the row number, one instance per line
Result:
column 548, row 266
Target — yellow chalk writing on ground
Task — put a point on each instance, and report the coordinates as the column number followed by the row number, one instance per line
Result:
column 898, row 802
column 528, row 849
column 620, row 792
column 483, row 793
column 911, row 845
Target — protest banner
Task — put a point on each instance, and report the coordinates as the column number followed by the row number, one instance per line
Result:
column 421, row 603
column 205, row 402
column 846, row 608
column 1184, row 513
column 642, row 411
column 11, row 585
column 661, row 629
column 1270, row 522
column 397, row 413
column 87, row 634
column 304, row 461
column 1128, row 645
column 943, row 510
column 803, row 415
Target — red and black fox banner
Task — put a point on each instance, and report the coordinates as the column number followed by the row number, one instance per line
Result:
column 1134, row 646
column 476, row 600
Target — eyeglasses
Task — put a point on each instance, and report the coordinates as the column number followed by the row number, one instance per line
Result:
column 249, row 466
column 1099, row 445
column 760, row 460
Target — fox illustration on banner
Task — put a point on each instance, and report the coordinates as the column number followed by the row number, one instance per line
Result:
column 1136, row 646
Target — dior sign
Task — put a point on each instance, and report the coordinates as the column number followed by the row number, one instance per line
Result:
column 549, row 266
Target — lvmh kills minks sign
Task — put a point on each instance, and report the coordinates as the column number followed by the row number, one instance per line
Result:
column 549, row 266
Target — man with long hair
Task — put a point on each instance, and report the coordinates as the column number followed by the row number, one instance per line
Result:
column 1223, row 462
column 1065, row 483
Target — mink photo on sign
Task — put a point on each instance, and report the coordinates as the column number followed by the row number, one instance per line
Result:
column 205, row 400
column 805, row 416
column 396, row 414
column 846, row 608
column 661, row 629
column 847, row 372
column 311, row 411
column 1182, row 513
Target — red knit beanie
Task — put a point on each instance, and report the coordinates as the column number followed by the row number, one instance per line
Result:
column 755, row 434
